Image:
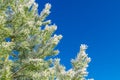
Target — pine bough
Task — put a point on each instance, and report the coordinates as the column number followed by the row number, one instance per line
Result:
column 26, row 40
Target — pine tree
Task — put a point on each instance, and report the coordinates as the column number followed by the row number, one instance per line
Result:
column 27, row 39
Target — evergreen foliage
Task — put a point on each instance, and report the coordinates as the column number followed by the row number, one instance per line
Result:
column 27, row 38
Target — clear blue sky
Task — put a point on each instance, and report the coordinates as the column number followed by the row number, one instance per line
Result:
column 95, row 23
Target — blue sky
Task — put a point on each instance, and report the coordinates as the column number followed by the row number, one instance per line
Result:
column 95, row 23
